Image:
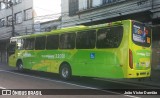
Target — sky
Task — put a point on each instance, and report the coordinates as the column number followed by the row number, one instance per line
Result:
column 46, row 7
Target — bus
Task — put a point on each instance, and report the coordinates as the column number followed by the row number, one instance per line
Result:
column 120, row 49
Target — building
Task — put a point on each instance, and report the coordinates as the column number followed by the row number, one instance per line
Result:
column 75, row 12
column 50, row 25
column 47, row 25
column 27, row 17
column 90, row 12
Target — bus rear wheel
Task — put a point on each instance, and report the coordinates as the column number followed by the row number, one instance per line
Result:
column 20, row 66
column 65, row 71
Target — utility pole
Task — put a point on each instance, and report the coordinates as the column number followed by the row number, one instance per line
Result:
column 13, row 28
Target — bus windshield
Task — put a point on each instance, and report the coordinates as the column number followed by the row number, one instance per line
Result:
column 141, row 34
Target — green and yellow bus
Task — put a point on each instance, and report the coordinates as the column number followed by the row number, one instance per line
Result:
column 119, row 49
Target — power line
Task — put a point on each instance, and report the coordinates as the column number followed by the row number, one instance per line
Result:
column 86, row 17
column 44, row 9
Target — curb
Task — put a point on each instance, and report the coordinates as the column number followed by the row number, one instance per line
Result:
column 151, row 83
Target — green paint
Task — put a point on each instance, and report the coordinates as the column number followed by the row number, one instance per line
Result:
column 106, row 63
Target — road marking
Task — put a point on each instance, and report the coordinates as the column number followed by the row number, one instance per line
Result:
column 2, row 87
column 45, row 79
column 65, row 83
column 121, row 82
column 132, row 96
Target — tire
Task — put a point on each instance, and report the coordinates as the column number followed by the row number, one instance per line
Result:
column 65, row 71
column 20, row 66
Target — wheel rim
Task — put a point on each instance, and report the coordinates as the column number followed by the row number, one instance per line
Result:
column 20, row 67
column 65, row 72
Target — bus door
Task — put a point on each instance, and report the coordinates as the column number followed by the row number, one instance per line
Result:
column 140, row 49
column 11, row 53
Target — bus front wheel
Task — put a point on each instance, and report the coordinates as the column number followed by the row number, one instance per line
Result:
column 65, row 71
column 20, row 66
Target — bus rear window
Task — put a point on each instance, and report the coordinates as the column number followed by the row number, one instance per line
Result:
column 141, row 35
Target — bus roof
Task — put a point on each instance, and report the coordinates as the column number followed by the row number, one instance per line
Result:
column 71, row 29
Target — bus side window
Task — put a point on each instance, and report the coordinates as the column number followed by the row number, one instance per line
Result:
column 52, row 42
column 86, row 39
column 40, row 43
column 109, row 37
column 29, row 43
column 11, row 48
column 20, row 44
column 67, row 41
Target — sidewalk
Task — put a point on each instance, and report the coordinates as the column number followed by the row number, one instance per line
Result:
column 154, row 80
column 5, row 66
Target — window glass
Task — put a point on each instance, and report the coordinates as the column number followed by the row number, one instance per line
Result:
column 86, row 39
column 20, row 43
column 18, row 17
column 18, row 1
column 96, row 3
column 52, row 42
column 29, row 43
column 73, row 7
column 82, row 4
column 28, row 14
column 141, row 34
column 3, row 5
column 109, row 37
column 40, row 43
column 109, row 1
column 9, row 20
column 67, row 41
column 2, row 22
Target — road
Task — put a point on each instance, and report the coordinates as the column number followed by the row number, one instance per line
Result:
column 81, row 87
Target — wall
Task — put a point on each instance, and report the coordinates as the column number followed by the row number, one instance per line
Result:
column 131, row 8
column 5, row 31
column 20, row 29
column 125, row 7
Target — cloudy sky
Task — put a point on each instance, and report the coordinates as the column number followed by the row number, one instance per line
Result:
column 47, row 7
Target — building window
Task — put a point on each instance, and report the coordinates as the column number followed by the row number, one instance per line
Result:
column 9, row 3
column 9, row 20
column 109, row 1
column 18, row 17
column 17, row 1
column 2, row 22
column 87, row 4
column 96, row 3
column 12, row 2
column 2, row 5
column 73, row 7
column 82, row 4
column 28, row 14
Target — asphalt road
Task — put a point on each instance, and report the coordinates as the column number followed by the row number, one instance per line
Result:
column 80, row 87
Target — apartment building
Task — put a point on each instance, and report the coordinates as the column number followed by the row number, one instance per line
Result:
column 90, row 12
column 22, row 15
column 27, row 16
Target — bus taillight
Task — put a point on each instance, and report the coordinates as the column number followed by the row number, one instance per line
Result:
column 130, row 59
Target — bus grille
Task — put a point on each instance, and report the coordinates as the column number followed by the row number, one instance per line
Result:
column 143, row 73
